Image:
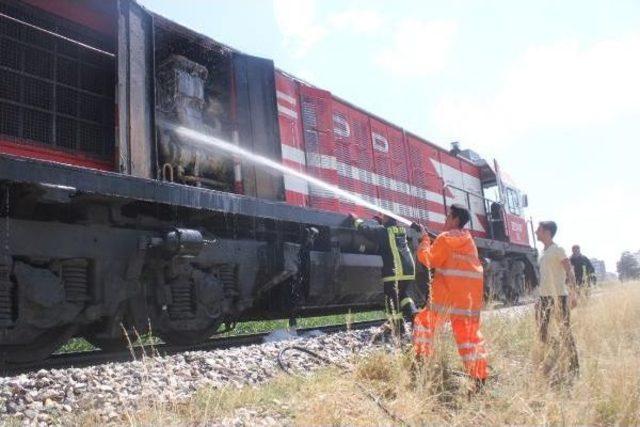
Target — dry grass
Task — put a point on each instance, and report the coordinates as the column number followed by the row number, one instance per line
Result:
column 607, row 330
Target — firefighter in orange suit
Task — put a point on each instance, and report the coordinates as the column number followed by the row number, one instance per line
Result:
column 456, row 294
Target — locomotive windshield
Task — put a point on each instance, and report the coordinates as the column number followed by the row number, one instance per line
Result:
column 514, row 201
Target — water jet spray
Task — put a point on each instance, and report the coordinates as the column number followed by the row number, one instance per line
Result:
column 208, row 141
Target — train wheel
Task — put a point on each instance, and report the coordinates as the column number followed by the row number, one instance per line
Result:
column 43, row 343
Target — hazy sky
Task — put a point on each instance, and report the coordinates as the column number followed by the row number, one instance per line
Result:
column 551, row 89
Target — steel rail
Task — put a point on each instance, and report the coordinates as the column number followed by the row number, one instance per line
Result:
column 142, row 352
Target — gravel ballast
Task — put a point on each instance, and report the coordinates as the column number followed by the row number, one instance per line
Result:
column 112, row 390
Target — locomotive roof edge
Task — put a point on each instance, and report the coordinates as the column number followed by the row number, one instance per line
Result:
column 210, row 42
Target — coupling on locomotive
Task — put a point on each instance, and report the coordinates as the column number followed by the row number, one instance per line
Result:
column 113, row 222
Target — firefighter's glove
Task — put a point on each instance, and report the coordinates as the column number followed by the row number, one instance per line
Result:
column 418, row 227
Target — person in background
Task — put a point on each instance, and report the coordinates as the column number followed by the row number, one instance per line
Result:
column 556, row 282
column 398, row 269
column 582, row 267
column 456, row 294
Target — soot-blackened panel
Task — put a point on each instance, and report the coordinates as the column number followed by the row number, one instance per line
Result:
column 258, row 123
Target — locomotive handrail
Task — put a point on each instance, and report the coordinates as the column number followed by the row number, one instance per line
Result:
column 487, row 202
column 471, row 193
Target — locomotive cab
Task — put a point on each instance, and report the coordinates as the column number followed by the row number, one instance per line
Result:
column 510, row 267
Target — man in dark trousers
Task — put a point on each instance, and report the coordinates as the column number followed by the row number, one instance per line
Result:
column 398, row 269
column 557, row 282
column 582, row 267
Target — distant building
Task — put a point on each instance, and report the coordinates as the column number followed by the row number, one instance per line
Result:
column 600, row 269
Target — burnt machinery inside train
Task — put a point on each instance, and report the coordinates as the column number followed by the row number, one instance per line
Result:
column 194, row 90
column 211, row 89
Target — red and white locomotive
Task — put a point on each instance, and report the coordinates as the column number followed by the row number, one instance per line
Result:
column 330, row 138
column 110, row 218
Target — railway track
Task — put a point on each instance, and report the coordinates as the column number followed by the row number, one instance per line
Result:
column 139, row 352
column 87, row 358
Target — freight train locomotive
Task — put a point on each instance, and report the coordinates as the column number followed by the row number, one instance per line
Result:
column 110, row 220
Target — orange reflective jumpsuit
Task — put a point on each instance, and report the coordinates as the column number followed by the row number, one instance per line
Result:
column 456, row 295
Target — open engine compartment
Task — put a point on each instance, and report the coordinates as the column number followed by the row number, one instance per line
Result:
column 193, row 89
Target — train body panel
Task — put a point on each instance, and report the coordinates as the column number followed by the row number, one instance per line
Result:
column 370, row 158
column 109, row 216
column 291, row 138
column 391, row 169
column 319, row 146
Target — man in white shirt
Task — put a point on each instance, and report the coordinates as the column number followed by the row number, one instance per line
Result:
column 555, row 274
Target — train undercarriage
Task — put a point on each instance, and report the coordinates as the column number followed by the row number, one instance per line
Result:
column 76, row 262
